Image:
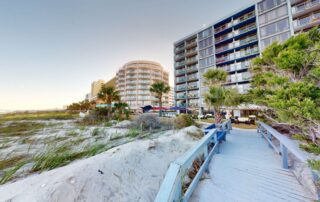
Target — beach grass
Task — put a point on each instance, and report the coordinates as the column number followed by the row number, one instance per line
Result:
column 41, row 115
column 21, row 128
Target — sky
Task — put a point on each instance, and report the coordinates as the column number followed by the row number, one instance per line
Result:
column 51, row 50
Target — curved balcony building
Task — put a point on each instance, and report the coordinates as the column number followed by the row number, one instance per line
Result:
column 134, row 80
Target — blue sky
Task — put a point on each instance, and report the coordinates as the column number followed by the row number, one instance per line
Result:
column 51, row 50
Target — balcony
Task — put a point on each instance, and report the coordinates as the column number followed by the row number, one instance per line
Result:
column 181, row 79
column 244, row 18
column 305, row 7
column 179, row 49
column 223, row 38
column 193, row 105
column 241, row 31
column 181, row 97
column 193, row 95
column 193, row 86
column 246, row 53
column 180, row 64
column 179, row 57
column 180, row 72
column 225, row 59
column 191, row 61
column 222, row 28
column 193, row 77
column 181, row 88
column 191, row 52
column 307, row 22
column 246, row 41
column 192, row 69
column 191, row 44
column 224, row 48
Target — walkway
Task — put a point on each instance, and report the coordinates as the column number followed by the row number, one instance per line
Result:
column 248, row 170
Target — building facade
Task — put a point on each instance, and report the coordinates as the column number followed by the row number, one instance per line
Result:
column 231, row 42
column 96, row 87
column 134, row 80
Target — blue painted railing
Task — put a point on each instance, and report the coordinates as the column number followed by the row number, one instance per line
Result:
column 286, row 144
column 171, row 187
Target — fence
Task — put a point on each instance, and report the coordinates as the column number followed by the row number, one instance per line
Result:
column 171, row 189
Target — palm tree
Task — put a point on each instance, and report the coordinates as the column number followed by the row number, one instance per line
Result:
column 108, row 95
column 159, row 89
column 218, row 95
column 121, row 109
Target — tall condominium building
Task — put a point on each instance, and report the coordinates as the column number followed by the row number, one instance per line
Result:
column 134, row 80
column 230, row 43
column 95, row 88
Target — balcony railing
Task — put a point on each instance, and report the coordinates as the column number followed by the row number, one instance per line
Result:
column 246, row 41
column 190, row 78
column 181, row 79
column 192, row 69
column 180, row 71
column 244, row 18
column 181, row 97
column 306, row 21
column 181, row 88
column 191, row 61
column 223, row 38
column 244, row 30
column 180, row 64
column 191, row 52
column 191, row 44
column 225, row 48
column 225, row 58
column 192, row 95
column 304, row 6
column 223, row 27
column 193, row 105
column 178, row 49
column 193, row 86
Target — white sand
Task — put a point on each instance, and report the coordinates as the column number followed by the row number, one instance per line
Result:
column 131, row 172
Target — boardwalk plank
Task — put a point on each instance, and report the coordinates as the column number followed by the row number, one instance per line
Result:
column 248, row 170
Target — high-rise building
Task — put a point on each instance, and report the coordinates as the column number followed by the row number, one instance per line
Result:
column 134, row 80
column 230, row 43
column 96, row 87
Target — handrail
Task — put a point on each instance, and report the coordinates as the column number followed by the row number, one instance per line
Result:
column 171, row 187
column 285, row 144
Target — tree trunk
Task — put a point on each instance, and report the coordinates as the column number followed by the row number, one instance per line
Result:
column 217, row 116
column 160, row 105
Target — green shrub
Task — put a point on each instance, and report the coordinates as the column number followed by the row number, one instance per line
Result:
column 311, row 148
column 95, row 132
column 299, row 137
column 314, row 164
column 133, row 132
column 183, row 120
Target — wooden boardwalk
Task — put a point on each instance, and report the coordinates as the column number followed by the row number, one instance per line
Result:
column 248, row 170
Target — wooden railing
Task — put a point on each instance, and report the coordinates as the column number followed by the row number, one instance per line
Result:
column 172, row 185
column 286, row 144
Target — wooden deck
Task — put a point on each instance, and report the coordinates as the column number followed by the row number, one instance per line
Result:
column 248, row 170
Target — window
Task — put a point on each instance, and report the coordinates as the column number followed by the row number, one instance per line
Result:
column 205, row 43
column 280, row 38
column 274, row 14
column 205, row 33
column 275, row 28
column 209, row 61
column 269, row 4
column 206, row 52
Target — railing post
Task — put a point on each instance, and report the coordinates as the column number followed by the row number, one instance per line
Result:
column 269, row 136
column 284, row 156
column 216, row 142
